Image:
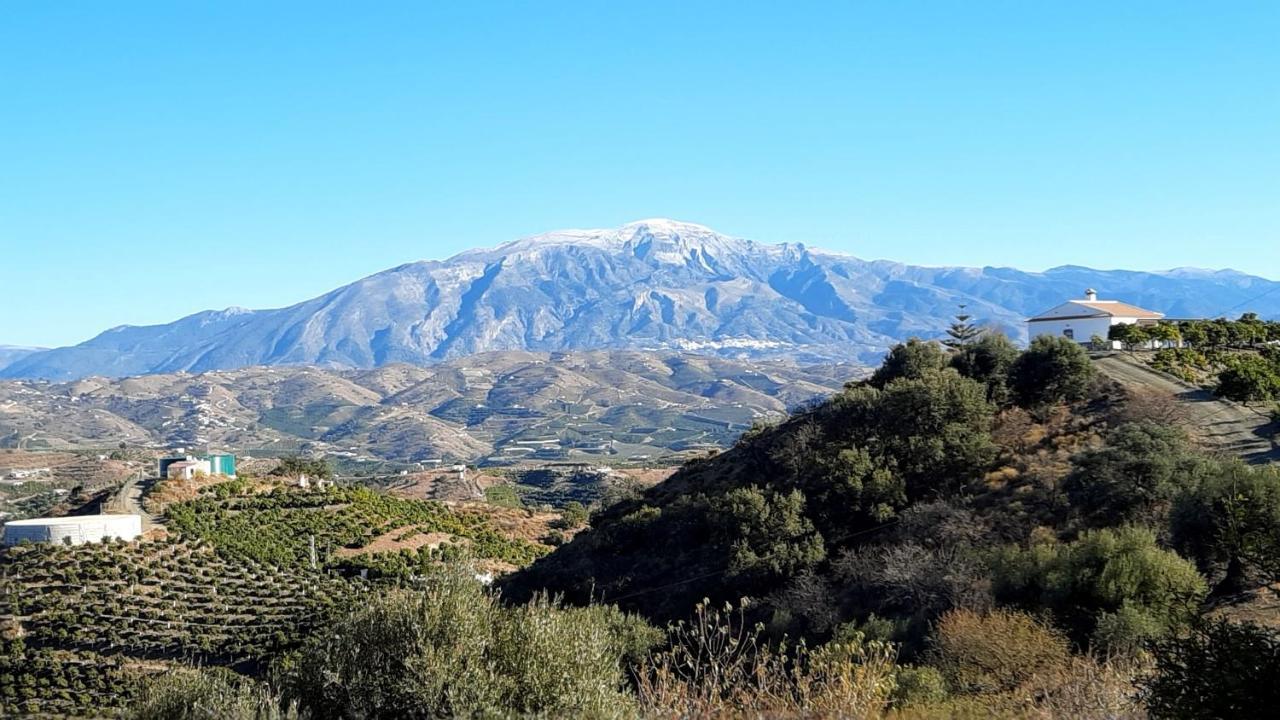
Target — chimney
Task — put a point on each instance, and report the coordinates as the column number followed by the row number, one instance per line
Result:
column 1091, row 295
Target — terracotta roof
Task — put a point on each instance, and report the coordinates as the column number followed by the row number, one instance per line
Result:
column 1116, row 308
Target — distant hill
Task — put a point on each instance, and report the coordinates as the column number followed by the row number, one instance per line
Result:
column 496, row 406
column 650, row 285
column 10, row 354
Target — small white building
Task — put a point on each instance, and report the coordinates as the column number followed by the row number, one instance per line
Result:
column 75, row 529
column 1081, row 320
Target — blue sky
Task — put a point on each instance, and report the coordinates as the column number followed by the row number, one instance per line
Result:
column 294, row 147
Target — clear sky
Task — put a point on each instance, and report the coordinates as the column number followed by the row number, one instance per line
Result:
column 161, row 158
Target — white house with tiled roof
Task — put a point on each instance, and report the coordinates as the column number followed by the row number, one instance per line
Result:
column 1081, row 320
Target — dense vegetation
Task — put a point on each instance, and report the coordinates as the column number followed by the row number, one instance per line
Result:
column 981, row 480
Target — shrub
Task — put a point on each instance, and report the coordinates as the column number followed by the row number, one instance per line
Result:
column 988, row 361
column 1230, row 524
column 1051, row 370
column 573, row 515
column 995, row 652
column 911, row 360
column 1219, row 670
column 212, row 694
column 1250, row 377
column 918, row 685
column 718, row 665
column 452, row 650
column 767, row 533
column 1134, row 477
column 1104, row 571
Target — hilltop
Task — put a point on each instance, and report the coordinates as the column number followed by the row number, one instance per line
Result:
column 651, row 285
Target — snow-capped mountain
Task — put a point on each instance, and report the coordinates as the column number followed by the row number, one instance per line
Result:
column 654, row 284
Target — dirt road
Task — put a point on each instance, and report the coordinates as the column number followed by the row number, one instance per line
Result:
column 1220, row 425
column 129, row 500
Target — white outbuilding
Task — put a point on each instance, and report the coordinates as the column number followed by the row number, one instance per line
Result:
column 74, row 529
column 1081, row 320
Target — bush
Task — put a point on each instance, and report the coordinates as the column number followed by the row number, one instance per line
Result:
column 1051, row 370
column 1219, row 670
column 911, row 360
column 995, row 652
column 1230, row 524
column 1134, row 477
column 988, row 361
column 718, row 665
column 213, row 694
column 573, row 515
column 1104, row 571
column 918, row 685
column 767, row 533
column 452, row 650
column 1250, row 377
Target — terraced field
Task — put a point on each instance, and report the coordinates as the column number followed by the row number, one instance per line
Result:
column 233, row 585
column 75, row 618
column 278, row 527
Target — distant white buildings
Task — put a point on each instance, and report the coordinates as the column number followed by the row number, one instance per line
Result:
column 186, row 467
column 74, row 530
column 1081, row 320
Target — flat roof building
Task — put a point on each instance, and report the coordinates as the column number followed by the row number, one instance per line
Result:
column 73, row 529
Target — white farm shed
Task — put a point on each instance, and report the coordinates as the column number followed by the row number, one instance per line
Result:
column 1081, row 320
column 76, row 529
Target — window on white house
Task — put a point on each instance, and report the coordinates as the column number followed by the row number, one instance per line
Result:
column 1069, row 334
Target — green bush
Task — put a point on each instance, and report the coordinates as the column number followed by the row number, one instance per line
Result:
column 1051, row 370
column 911, row 360
column 211, row 694
column 1134, row 476
column 1104, row 571
column 988, row 361
column 451, row 650
column 1230, row 524
column 1249, row 378
column 918, row 685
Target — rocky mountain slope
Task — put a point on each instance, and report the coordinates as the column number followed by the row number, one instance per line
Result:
column 656, row 284
column 499, row 407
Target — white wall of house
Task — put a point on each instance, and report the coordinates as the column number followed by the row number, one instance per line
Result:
column 1081, row 329
column 1078, row 329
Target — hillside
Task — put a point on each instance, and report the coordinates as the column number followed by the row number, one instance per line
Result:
column 988, row 478
column 495, row 407
column 650, row 285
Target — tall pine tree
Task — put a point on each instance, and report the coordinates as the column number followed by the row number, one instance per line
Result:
column 962, row 332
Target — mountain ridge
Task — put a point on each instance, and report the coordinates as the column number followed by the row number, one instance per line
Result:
column 660, row 285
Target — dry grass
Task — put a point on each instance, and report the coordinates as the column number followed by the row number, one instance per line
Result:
column 719, row 667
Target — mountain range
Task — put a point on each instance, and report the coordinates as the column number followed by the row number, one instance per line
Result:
column 657, row 285
column 499, row 407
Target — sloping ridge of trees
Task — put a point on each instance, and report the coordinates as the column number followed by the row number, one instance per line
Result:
column 979, row 479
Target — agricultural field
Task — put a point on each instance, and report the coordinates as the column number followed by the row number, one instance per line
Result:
column 278, row 526
column 79, row 624
column 231, row 583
